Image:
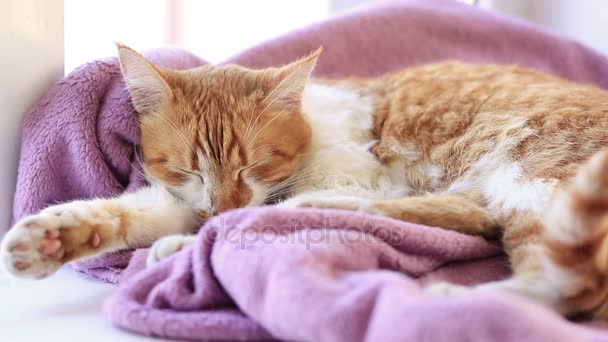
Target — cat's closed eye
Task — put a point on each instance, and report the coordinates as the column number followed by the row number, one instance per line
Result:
column 190, row 173
column 239, row 173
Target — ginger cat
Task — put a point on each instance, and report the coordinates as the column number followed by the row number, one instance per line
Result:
column 481, row 149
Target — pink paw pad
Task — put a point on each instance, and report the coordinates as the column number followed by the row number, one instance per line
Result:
column 49, row 247
column 22, row 265
column 20, row 248
column 95, row 240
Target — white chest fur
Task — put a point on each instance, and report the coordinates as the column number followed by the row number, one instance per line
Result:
column 340, row 159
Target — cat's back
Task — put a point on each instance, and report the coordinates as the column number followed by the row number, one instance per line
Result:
column 455, row 113
column 492, row 87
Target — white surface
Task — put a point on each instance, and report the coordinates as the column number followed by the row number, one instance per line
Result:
column 31, row 36
column 577, row 19
column 214, row 30
column 64, row 307
column 90, row 35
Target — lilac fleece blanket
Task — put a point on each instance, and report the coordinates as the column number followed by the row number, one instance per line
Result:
column 259, row 274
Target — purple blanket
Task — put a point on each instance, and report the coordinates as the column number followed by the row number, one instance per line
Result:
column 301, row 274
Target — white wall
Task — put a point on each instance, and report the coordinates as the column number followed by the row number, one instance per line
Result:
column 92, row 27
column 584, row 21
column 214, row 30
column 31, row 36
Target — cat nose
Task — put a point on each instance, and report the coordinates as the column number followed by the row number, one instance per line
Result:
column 217, row 211
column 225, row 203
column 220, row 208
column 203, row 215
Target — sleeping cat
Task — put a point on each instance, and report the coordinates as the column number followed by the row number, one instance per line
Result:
column 490, row 150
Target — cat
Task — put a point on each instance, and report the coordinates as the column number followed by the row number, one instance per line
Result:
column 492, row 150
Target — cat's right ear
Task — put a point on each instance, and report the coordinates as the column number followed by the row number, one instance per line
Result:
column 146, row 86
column 288, row 82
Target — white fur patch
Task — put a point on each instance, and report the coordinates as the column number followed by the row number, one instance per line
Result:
column 341, row 121
column 259, row 193
column 506, row 188
column 196, row 193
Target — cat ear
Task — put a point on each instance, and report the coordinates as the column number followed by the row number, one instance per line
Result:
column 291, row 79
column 147, row 87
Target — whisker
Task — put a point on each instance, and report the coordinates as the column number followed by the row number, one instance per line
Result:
column 146, row 175
column 176, row 130
column 293, row 182
column 267, row 106
column 288, row 184
column 143, row 175
column 304, row 154
column 260, row 148
column 301, row 176
column 281, row 192
column 291, row 178
column 268, row 123
column 157, row 130
column 272, row 101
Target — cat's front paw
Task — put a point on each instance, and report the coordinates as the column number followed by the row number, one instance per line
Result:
column 39, row 245
column 315, row 200
column 167, row 246
column 446, row 289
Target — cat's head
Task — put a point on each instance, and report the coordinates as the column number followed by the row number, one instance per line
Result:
column 219, row 137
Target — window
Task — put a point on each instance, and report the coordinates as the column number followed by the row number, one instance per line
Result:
column 214, row 30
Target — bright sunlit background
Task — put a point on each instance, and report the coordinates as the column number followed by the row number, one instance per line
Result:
column 215, row 30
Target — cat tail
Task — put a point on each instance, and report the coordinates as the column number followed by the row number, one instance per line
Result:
column 576, row 222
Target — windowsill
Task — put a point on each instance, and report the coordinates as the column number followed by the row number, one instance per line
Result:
column 64, row 307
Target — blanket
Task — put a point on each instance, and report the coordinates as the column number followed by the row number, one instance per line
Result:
column 303, row 274
column 314, row 275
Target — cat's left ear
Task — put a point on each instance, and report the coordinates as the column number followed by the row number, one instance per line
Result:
column 289, row 81
column 146, row 85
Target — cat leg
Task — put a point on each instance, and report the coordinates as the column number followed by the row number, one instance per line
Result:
column 533, row 277
column 40, row 244
column 564, row 265
column 577, row 239
column 462, row 212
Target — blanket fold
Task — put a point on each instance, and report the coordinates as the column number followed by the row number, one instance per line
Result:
column 329, row 275
column 326, row 275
